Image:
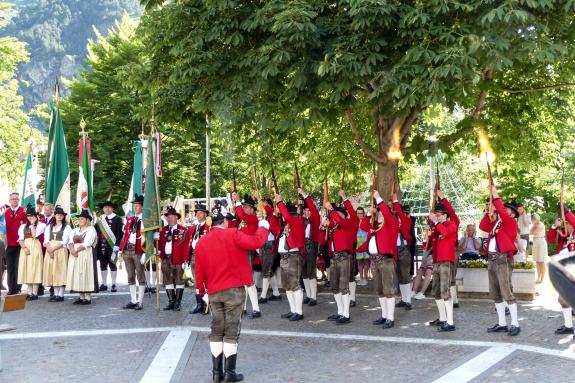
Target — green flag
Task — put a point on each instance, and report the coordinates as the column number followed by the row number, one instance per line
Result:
column 84, row 196
column 58, row 179
column 136, row 184
column 151, row 211
column 28, row 184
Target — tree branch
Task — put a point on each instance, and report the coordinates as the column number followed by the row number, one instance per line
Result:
column 539, row 89
column 357, row 137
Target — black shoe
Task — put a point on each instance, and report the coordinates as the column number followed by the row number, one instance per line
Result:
column 52, row 299
column 507, row 311
column 456, row 305
column 312, row 302
column 255, row 314
column 171, row 300
column 199, row 305
column 138, row 307
column 51, row 291
column 379, row 321
column 40, row 291
column 113, row 290
column 230, row 374
column 514, row 330
column 86, row 302
column 262, row 301
column 178, row 300
column 497, row 328
column 564, row 330
column 342, row 320
column 446, row 327
column 306, row 300
column 59, row 299
column 218, row 368
column 437, row 322
column 129, row 306
column 103, row 287
column 296, row 317
column 77, row 301
column 408, row 306
column 327, row 284
column 400, row 304
column 388, row 324
column 275, row 298
column 351, row 303
column 287, row 315
column 333, row 317
column 33, row 297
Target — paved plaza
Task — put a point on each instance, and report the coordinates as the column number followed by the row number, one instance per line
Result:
column 60, row 342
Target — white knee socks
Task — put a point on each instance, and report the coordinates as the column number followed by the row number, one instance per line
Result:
column 274, row 285
column 113, row 274
column 390, row 303
column 133, row 294
column 298, row 301
column 405, row 291
column 500, row 307
column 152, row 277
column 253, row 294
column 265, row 287
column 104, row 277
column 568, row 317
column 307, row 287
column 313, row 288
column 449, row 311
column 230, row 349
column 453, row 292
column 441, row 308
column 35, row 288
column 352, row 288
column 291, row 301
column 345, row 298
column 216, row 348
column 141, row 291
column 383, row 304
column 513, row 312
column 339, row 303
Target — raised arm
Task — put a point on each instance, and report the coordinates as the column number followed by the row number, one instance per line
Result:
column 251, row 241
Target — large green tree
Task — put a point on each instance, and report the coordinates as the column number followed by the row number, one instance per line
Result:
column 375, row 65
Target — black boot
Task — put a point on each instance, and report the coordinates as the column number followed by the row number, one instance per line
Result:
column 217, row 368
column 230, row 373
column 199, row 305
column 172, row 300
column 178, row 299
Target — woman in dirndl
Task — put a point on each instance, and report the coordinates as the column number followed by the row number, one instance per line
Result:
column 30, row 262
column 81, row 261
column 56, row 258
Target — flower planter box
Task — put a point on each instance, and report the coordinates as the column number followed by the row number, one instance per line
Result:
column 475, row 282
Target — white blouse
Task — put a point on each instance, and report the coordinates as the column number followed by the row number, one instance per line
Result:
column 89, row 239
column 65, row 236
column 40, row 227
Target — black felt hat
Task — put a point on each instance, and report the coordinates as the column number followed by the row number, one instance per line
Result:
column 138, row 199
column 249, row 201
column 30, row 210
column 171, row 211
column 108, row 203
column 291, row 208
column 440, row 208
column 341, row 209
column 59, row 210
column 513, row 206
column 85, row 214
column 218, row 219
column 201, row 207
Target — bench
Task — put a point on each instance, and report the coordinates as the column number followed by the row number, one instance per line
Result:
column 10, row 303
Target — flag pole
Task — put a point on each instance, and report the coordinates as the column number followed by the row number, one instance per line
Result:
column 156, row 257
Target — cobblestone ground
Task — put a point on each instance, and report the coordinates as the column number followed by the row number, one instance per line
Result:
column 60, row 342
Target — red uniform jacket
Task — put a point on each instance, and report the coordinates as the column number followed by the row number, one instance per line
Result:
column 251, row 220
column 554, row 237
column 386, row 237
column 221, row 261
column 180, row 244
column 354, row 221
column 340, row 239
column 314, row 219
column 205, row 230
column 444, row 239
column 296, row 236
column 452, row 216
column 405, row 223
column 506, row 234
column 275, row 227
column 130, row 222
column 13, row 222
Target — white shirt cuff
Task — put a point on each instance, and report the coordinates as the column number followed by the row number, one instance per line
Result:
column 378, row 200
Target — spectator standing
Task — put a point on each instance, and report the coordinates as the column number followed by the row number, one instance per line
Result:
column 524, row 222
column 539, row 250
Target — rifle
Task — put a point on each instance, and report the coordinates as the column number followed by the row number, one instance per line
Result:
column 342, row 186
column 259, row 203
column 296, row 185
column 433, row 196
column 234, row 189
column 372, row 208
column 490, row 181
column 275, row 181
column 562, row 204
column 325, row 200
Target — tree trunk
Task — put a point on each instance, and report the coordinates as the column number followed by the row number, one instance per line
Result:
column 386, row 177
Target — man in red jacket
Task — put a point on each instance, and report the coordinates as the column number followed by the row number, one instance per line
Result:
column 503, row 229
column 403, row 242
column 223, row 271
column 567, row 327
column 340, row 247
column 290, row 248
column 312, row 221
column 267, row 254
column 15, row 216
column 199, row 229
column 444, row 237
column 353, row 270
column 132, row 250
column 173, row 253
